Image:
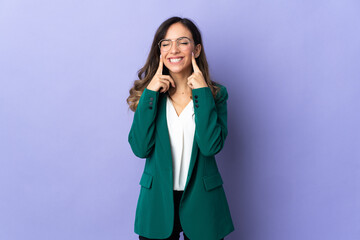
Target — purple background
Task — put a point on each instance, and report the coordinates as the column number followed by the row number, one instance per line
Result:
column 291, row 162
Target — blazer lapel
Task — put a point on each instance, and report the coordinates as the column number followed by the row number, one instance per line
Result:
column 162, row 129
column 193, row 159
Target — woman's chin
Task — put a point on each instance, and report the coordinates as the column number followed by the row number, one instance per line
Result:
column 177, row 70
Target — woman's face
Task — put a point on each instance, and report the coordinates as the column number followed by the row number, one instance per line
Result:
column 174, row 32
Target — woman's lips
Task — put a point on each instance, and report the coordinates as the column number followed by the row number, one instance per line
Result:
column 181, row 58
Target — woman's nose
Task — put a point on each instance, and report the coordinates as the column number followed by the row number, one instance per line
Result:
column 174, row 48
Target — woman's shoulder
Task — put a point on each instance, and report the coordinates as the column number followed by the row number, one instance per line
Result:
column 222, row 94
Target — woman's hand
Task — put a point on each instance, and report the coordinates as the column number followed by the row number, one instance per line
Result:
column 196, row 80
column 160, row 81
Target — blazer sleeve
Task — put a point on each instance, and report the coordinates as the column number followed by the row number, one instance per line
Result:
column 141, row 135
column 210, row 119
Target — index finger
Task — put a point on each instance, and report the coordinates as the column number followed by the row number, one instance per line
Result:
column 160, row 68
column 195, row 66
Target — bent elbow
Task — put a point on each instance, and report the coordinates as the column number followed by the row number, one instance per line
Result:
column 211, row 149
column 140, row 150
column 140, row 154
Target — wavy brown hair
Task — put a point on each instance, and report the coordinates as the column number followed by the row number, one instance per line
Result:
column 147, row 72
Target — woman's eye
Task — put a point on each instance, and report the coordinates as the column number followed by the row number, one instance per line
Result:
column 185, row 43
column 164, row 45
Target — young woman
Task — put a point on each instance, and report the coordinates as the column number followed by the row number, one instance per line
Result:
column 180, row 123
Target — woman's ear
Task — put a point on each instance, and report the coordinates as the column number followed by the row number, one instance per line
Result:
column 197, row 50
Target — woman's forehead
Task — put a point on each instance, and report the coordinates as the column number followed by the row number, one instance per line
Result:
column 176, row 31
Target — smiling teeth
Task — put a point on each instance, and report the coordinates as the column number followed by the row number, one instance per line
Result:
column 175, row 59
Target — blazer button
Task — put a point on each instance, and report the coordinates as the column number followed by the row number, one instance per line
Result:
column 150, row 103
column 151, row 98
column 150, row 107
column 196, row 101
column 196, row 96
column 196, row 105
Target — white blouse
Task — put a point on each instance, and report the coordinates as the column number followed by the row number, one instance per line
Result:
column 181, row 132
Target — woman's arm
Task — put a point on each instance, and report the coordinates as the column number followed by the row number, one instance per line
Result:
column 141, row 135
column 210, row 119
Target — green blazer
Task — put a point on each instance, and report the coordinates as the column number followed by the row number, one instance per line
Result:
column 204, row 211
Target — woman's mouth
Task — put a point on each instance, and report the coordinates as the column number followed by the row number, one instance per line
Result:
column 175, row 60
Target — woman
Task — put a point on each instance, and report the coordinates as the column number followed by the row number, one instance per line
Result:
column 180, row 123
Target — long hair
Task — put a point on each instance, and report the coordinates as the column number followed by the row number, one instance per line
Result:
column 147, row 72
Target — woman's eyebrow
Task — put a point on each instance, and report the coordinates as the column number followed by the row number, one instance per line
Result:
column 176, row 38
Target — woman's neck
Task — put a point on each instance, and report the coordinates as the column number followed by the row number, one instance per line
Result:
column 180, row 80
